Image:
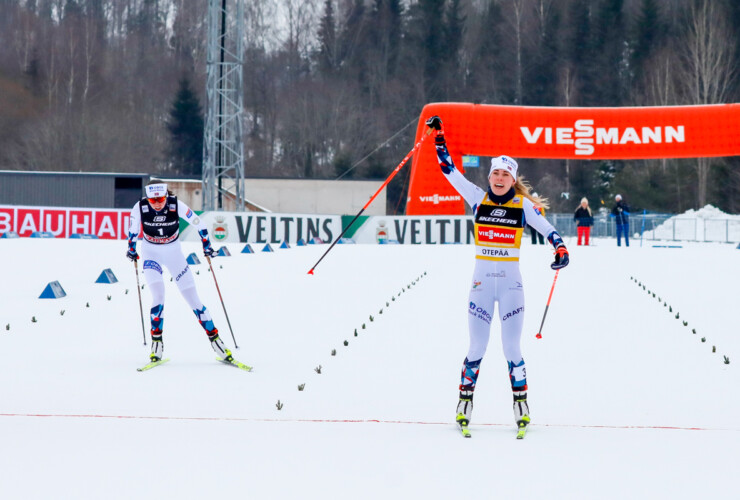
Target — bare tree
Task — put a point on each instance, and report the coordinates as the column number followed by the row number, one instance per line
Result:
column 707, row 71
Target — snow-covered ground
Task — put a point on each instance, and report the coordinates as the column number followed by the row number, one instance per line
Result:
column 626, row 401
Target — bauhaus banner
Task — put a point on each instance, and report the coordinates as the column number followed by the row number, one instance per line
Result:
column 564, row 133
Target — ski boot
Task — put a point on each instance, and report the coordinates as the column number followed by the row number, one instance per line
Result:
column 464, row 411
column 157, row 346
column 218, row 346
column 521, row 413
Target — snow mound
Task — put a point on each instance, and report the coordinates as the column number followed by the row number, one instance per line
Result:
column 705, row 224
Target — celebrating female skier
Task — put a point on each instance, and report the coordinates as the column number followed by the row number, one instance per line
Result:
column 158, row 215
column 501, row 214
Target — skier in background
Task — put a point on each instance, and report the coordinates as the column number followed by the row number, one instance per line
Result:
column 584, row 220
column 621, row 212
column 501, row 213
column 159, row 216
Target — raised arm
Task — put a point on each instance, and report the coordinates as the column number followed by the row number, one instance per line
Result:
column 471, row 193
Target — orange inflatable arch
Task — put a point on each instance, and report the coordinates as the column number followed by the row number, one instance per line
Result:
column 563, row 133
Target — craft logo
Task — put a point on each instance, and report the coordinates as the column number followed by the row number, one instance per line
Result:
column 220, row 229
column 583, row 135
column 437, row 199
column 512, row 313
column 182, row 273
column 490, row 235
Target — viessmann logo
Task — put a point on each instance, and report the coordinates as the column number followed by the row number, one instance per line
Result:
column 436, row 199
column 583, row 135
column 496, row 235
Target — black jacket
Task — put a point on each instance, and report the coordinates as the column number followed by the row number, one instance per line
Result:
column 621, row 211
column 583, row 217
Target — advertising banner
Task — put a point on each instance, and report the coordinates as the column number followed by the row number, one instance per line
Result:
column 252, row 227
column 62, row 222
column 564, row 133
column 408, row 230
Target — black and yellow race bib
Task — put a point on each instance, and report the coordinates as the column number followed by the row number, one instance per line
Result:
column 498, row 229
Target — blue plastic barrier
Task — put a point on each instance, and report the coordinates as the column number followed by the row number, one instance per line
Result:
column 247, row 249
column 346, row 241
column 107, row 276
column 83, row 236
column 42, row 234
column 268, row 248
column 223, row 252
column 315, row 241
column 285, row 244
column 53, row 291
column 9, row 234
column 193, row 259
column 301, row 243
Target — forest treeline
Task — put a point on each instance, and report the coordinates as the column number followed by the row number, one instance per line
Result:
column 119, row 85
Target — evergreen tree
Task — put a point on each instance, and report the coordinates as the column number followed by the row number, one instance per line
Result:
column 484, row 78
column 427, row 18
column 454, row 31
column 579, row 49
column 352, row 46
column 648, row 33
column 611, row 62
column 327, row 53
column 541, row 89
column 186, row 131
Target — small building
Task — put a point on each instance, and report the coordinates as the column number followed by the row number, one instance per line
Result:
column 71, row 189
column 111, row 190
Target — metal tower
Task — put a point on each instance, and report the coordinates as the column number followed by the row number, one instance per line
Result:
column 223, row 146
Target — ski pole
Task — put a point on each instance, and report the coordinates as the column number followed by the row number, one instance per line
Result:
column 222, row 301
column 393, row 174
column 141, row 308
column 539, row 333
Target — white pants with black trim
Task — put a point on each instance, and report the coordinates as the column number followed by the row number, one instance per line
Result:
column 496, row 281
column 169, row 255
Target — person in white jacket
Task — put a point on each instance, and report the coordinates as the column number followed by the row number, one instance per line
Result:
column 158, row 216
column 501, row 213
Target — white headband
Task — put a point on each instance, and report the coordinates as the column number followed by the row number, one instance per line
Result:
column 156, row 190
column 504, row 163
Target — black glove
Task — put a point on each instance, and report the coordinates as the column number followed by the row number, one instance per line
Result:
column 132, row 255
column 561, row 258
column 435, row 122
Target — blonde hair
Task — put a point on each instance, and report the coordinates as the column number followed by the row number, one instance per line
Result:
column 588, row 207
column 523, row 188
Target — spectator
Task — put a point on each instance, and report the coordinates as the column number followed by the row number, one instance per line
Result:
column 535, row 235
column 621, row 213
column 584, row 220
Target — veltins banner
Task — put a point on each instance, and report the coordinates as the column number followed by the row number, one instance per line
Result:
column 233, row 227
column 252, row 227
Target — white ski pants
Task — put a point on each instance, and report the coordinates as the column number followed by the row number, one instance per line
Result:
column 496, row 281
